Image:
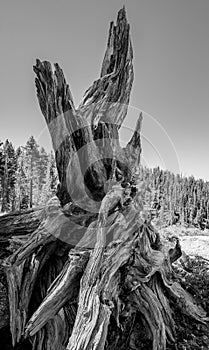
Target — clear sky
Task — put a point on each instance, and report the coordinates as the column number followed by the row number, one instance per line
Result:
column 171, row 64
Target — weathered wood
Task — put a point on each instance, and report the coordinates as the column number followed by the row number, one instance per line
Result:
column 100, row 290
column 77, row 134
column 20, row 223
column 133, row 148
column 94, row 266
column 64, row 289
column 69, row 132
column 93, row 333
column 15, row 228
column 108, row 98
column 4, row 302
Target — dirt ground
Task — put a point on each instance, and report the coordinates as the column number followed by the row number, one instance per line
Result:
column 193, row 241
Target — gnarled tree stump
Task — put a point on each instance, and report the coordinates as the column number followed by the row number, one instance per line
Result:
column 93, row 274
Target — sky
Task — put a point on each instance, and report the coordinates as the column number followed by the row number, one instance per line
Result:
column 171, row 67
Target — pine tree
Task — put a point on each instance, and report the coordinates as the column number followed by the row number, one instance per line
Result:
column 53, row 173
column 8, row 177
column 1, row 169
column 21, row 186
column 42, row 168
column 32, row 158
column 50, row 186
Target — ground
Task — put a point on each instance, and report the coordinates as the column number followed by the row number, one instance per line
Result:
column 193, row 241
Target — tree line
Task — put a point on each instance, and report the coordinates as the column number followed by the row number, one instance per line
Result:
column 175, row 199
column 28, row 176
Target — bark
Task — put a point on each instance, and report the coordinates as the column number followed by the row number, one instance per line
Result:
column 20, row 223
column 93, row 271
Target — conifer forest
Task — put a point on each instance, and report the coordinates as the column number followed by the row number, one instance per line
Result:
column 28, row 176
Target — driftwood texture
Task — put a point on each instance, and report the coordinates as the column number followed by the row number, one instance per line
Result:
column 94, row 274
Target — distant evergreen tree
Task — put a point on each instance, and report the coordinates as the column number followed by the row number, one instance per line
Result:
column 53, row 173
column 1, row 170
column 42, row 167
column 32, row 161
column 21, row 186
column 50, row 186
column 8, row 177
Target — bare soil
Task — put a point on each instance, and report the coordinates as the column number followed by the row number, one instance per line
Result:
column 194, row 242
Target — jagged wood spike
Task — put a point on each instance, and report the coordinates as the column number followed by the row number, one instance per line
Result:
column 116, row 78
column 133, row 148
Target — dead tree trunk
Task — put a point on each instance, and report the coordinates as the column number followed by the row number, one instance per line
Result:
column 93, row 272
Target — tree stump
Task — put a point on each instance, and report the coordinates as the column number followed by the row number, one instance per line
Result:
column 93, row 273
